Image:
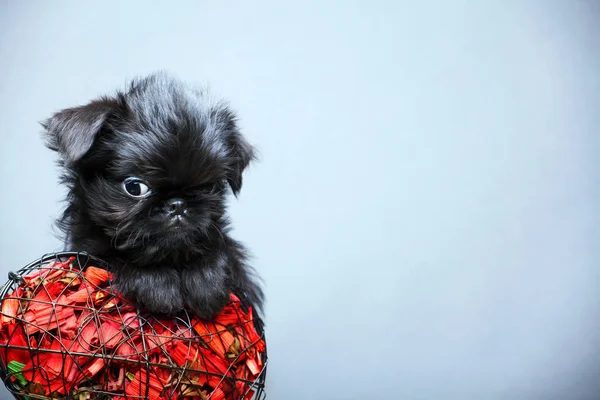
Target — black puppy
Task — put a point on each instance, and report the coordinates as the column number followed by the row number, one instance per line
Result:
column 148, row 171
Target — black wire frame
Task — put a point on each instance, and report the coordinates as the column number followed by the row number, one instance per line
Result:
column 83, row 260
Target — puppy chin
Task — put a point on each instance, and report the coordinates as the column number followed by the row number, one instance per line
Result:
column 177, row 238
column 174, row 242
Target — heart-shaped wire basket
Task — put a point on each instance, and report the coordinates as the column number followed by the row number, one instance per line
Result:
column 66, row 334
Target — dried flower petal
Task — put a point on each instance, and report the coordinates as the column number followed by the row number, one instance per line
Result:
column 16, row 343
column 111, row 334
column 10, row 306
column 138, row 385
column 79, row 297
column 217, row 394
column 131, row 320
column 252, row 366
column 97, row 276
column 93, row 368
column 210, row 335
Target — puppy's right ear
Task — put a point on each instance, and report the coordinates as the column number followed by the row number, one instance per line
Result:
column 72, row 132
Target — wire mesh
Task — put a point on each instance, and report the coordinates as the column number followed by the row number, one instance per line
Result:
column 65, row 334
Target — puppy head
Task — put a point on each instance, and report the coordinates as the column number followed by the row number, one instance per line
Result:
column 151, row 166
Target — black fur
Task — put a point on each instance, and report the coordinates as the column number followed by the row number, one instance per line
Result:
column 182, row 145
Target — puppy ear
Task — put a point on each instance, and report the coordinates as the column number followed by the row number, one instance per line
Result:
column 72, row 132
column 240, row 153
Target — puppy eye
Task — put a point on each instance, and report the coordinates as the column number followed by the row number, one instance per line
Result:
column 135, row 187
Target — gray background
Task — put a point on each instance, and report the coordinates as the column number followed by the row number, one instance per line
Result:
column 425, row 213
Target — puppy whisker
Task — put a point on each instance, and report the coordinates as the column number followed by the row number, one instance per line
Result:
column 118, row 230
column 218, row 229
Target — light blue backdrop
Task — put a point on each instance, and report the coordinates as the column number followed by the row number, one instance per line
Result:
column 426, row 210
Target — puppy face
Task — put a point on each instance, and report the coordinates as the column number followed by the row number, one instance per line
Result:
column 151, row 167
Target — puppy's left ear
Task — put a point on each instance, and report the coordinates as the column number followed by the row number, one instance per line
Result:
column 72, row 132
column 241, row 153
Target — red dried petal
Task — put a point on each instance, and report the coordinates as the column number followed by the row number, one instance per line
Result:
column 70, row 327
column 46, row 317
column 46, row 369
column 210, row 335
column 79, row 297
column 138, row 386
column 183, row 352
column 209, row 362
column 111, row 334
column 54, row 364
column 14, row 339
column 10, row 307
column 131, row 349
column 217, row 394
column 131, row 320
column 97, row 276
column 253, row 366
column 47, row 272
column 88, row 338
column 94, row 367
column 54, row 290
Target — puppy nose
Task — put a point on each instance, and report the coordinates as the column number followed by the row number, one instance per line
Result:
column 176, row 206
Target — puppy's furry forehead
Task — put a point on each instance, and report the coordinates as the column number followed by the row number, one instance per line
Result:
column 160, row 96
column 173, row 127
column 170, row 109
